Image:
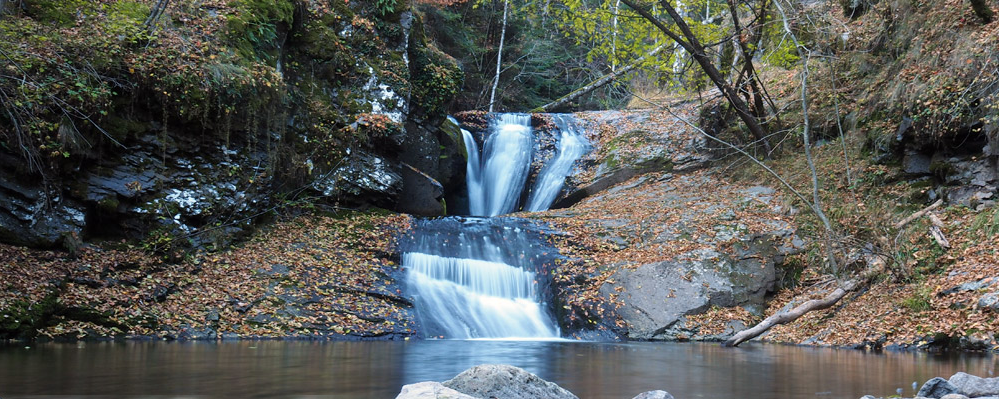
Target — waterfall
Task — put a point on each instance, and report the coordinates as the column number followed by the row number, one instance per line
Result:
column 473, row 176
column 495, row 182
column 480, row 277
column 506, row 161
column 476, row 278
column 571, row 146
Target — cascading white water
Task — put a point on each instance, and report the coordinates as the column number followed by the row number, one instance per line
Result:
column 472, row 298
column 571, row 146
column 474, row 278
column 479, row 278
column 506, row 162
column 473, row 176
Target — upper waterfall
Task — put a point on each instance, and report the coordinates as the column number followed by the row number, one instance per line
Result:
column 571, row 146
column 497, row 179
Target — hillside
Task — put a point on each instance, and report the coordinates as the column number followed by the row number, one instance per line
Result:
column 244, row 168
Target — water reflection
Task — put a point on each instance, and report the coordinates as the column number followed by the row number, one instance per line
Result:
column 379, row 369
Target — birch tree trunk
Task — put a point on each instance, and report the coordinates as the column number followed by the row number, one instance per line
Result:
column 617, row 8
column 499, row 57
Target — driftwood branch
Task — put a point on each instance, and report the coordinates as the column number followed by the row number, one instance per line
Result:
column 792, row 315
column 918, row 215
column 596, row 84
column 876, row 266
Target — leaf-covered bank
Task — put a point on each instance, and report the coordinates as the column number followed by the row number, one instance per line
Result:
column 309, row 277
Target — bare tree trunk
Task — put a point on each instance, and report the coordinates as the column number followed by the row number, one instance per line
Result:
column 155, row 14
column 617, row 8
column 499, row 57
column 692, row 45
column 805, row 55
column 755, row 94
column 839, row 123
column 603, row 80
column 791, row 315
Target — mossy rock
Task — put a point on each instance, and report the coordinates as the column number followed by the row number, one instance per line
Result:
column 453, row 133
column 436, row 78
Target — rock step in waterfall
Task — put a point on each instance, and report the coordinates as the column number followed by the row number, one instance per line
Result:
column 481, row 278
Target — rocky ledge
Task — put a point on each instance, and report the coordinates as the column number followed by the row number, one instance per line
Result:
column 498, row 381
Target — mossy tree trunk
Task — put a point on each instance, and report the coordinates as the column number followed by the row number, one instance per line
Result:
column 983, row 10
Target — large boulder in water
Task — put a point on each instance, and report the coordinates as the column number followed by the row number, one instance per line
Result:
column 507, row 382
column 430, row 390
column 974, row 386
column 654, row 395
column 936, row 388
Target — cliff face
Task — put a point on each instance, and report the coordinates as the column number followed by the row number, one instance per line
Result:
column 187, row 128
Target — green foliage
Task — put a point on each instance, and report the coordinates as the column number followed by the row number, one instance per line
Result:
column 386, row 7
column 919, row 301
column 986, row 223
column 59, row 12
column 253, row 29
column 540, row 64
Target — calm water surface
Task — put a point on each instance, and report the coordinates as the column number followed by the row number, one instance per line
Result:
column 378, row 369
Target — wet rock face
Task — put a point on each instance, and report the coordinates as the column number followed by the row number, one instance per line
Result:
column 363, row 176
column 30, row 216
column 177, row 185
column 963, row 167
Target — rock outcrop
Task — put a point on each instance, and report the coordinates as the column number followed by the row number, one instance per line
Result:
column 680, row 239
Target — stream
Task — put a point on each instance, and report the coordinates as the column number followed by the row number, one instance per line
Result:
column 270, row 369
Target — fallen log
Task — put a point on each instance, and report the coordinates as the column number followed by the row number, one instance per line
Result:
column 939, row 237
column 919, row 214
column 791, row 315
column 876, row 266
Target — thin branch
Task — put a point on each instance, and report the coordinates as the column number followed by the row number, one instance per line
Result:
column 734, row 148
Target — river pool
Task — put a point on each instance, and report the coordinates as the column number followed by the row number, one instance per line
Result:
column 265, row 369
